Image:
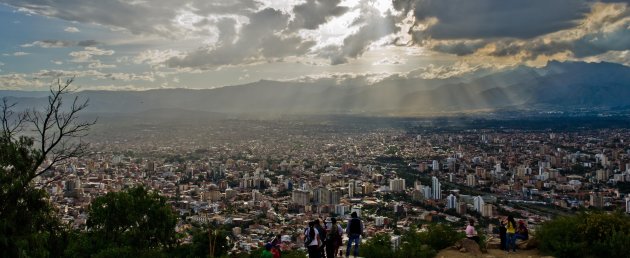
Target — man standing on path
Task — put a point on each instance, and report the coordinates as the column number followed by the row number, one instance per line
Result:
column 354, row 231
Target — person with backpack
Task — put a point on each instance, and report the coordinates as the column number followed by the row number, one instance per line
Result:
column 510, row 239
column 312, row 241
column 334, row 238
column 354, row 231
column 322, row 235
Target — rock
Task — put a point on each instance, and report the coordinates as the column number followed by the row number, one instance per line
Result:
column 493, row 243
column 470, row 245
column 528, row 244
column 463, row 250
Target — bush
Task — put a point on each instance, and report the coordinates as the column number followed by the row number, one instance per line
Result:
column 587, row 234
column 440, row 236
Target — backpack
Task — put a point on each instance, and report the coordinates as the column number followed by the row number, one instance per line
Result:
column 355, row 226
column 322, row 232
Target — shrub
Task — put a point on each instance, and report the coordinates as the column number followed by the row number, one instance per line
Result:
column 587, row 234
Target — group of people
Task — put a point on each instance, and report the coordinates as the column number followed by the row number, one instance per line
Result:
column 509, row 231
column 324, row 241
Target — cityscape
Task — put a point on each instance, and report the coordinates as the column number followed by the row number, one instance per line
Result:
column 314, row 128
column 263, row 177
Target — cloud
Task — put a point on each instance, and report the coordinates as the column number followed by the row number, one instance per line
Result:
column 446, row 71
column 156, row 17
column 19, row 53
column 313, row 13
column 395, row 60
column 259, row 40
column 483, row 19
column 373, row 26
column 49, row 43
column 87, row 54
column 71, row 29
column 156, row 57
column 459, row 47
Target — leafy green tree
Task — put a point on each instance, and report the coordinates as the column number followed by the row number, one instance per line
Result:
column 28, row 225
column 133, row 222
column 587, row 234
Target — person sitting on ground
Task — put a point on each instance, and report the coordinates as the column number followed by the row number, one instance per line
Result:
column 521, row 231
column 471, row 233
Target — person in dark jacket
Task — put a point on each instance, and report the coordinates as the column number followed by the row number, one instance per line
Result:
column 354, row 231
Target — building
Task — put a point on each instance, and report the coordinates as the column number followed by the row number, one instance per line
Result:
column 628, row 204
column 478, row 203
column 379, row 221
column 301, row 197
column 471, row 180
column 487, row 210
column 397, row 185
column 437, row 189
column 461, row 208
column 597, row 200
column 602, row 175
column 341, row 209
column 451, row 201
column 426, row 192
column 436, row 165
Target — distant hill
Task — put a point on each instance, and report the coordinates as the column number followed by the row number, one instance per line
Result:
column 561, row 85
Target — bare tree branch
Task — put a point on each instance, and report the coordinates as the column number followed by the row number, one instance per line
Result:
column 57, row 127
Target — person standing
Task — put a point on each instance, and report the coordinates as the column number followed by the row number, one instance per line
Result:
column 502, row 234
column 334, row 236
column 510, row 230
column 312, row 240
column 354, row 231
column 471, row 233
column 322, row 235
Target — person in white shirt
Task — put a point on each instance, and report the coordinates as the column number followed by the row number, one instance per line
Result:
column 312, row 240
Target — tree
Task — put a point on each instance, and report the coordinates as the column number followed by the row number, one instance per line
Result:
column 135, row 222
column 32, row 143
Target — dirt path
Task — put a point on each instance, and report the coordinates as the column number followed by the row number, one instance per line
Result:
column 492, row 253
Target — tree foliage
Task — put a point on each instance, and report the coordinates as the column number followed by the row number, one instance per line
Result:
column 587, row 234
column 32, row 143
column 134, row 220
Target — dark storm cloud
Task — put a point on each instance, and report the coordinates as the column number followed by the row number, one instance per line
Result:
column 464, row 19
column 313, row 13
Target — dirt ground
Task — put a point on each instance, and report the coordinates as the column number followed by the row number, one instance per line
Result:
column 492, row 253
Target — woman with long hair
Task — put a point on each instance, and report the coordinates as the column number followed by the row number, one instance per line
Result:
column 312, row 240
column 510, row 238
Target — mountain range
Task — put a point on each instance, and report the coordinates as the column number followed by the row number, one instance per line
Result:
column 558, row 85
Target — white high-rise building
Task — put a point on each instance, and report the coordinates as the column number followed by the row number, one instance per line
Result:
column 628, row 204
column 436, row 165
column 437, row 188
column 478, row 203
column 426, row 191
column 451, row 201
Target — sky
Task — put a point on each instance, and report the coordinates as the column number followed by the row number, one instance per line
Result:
column 149, row 44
